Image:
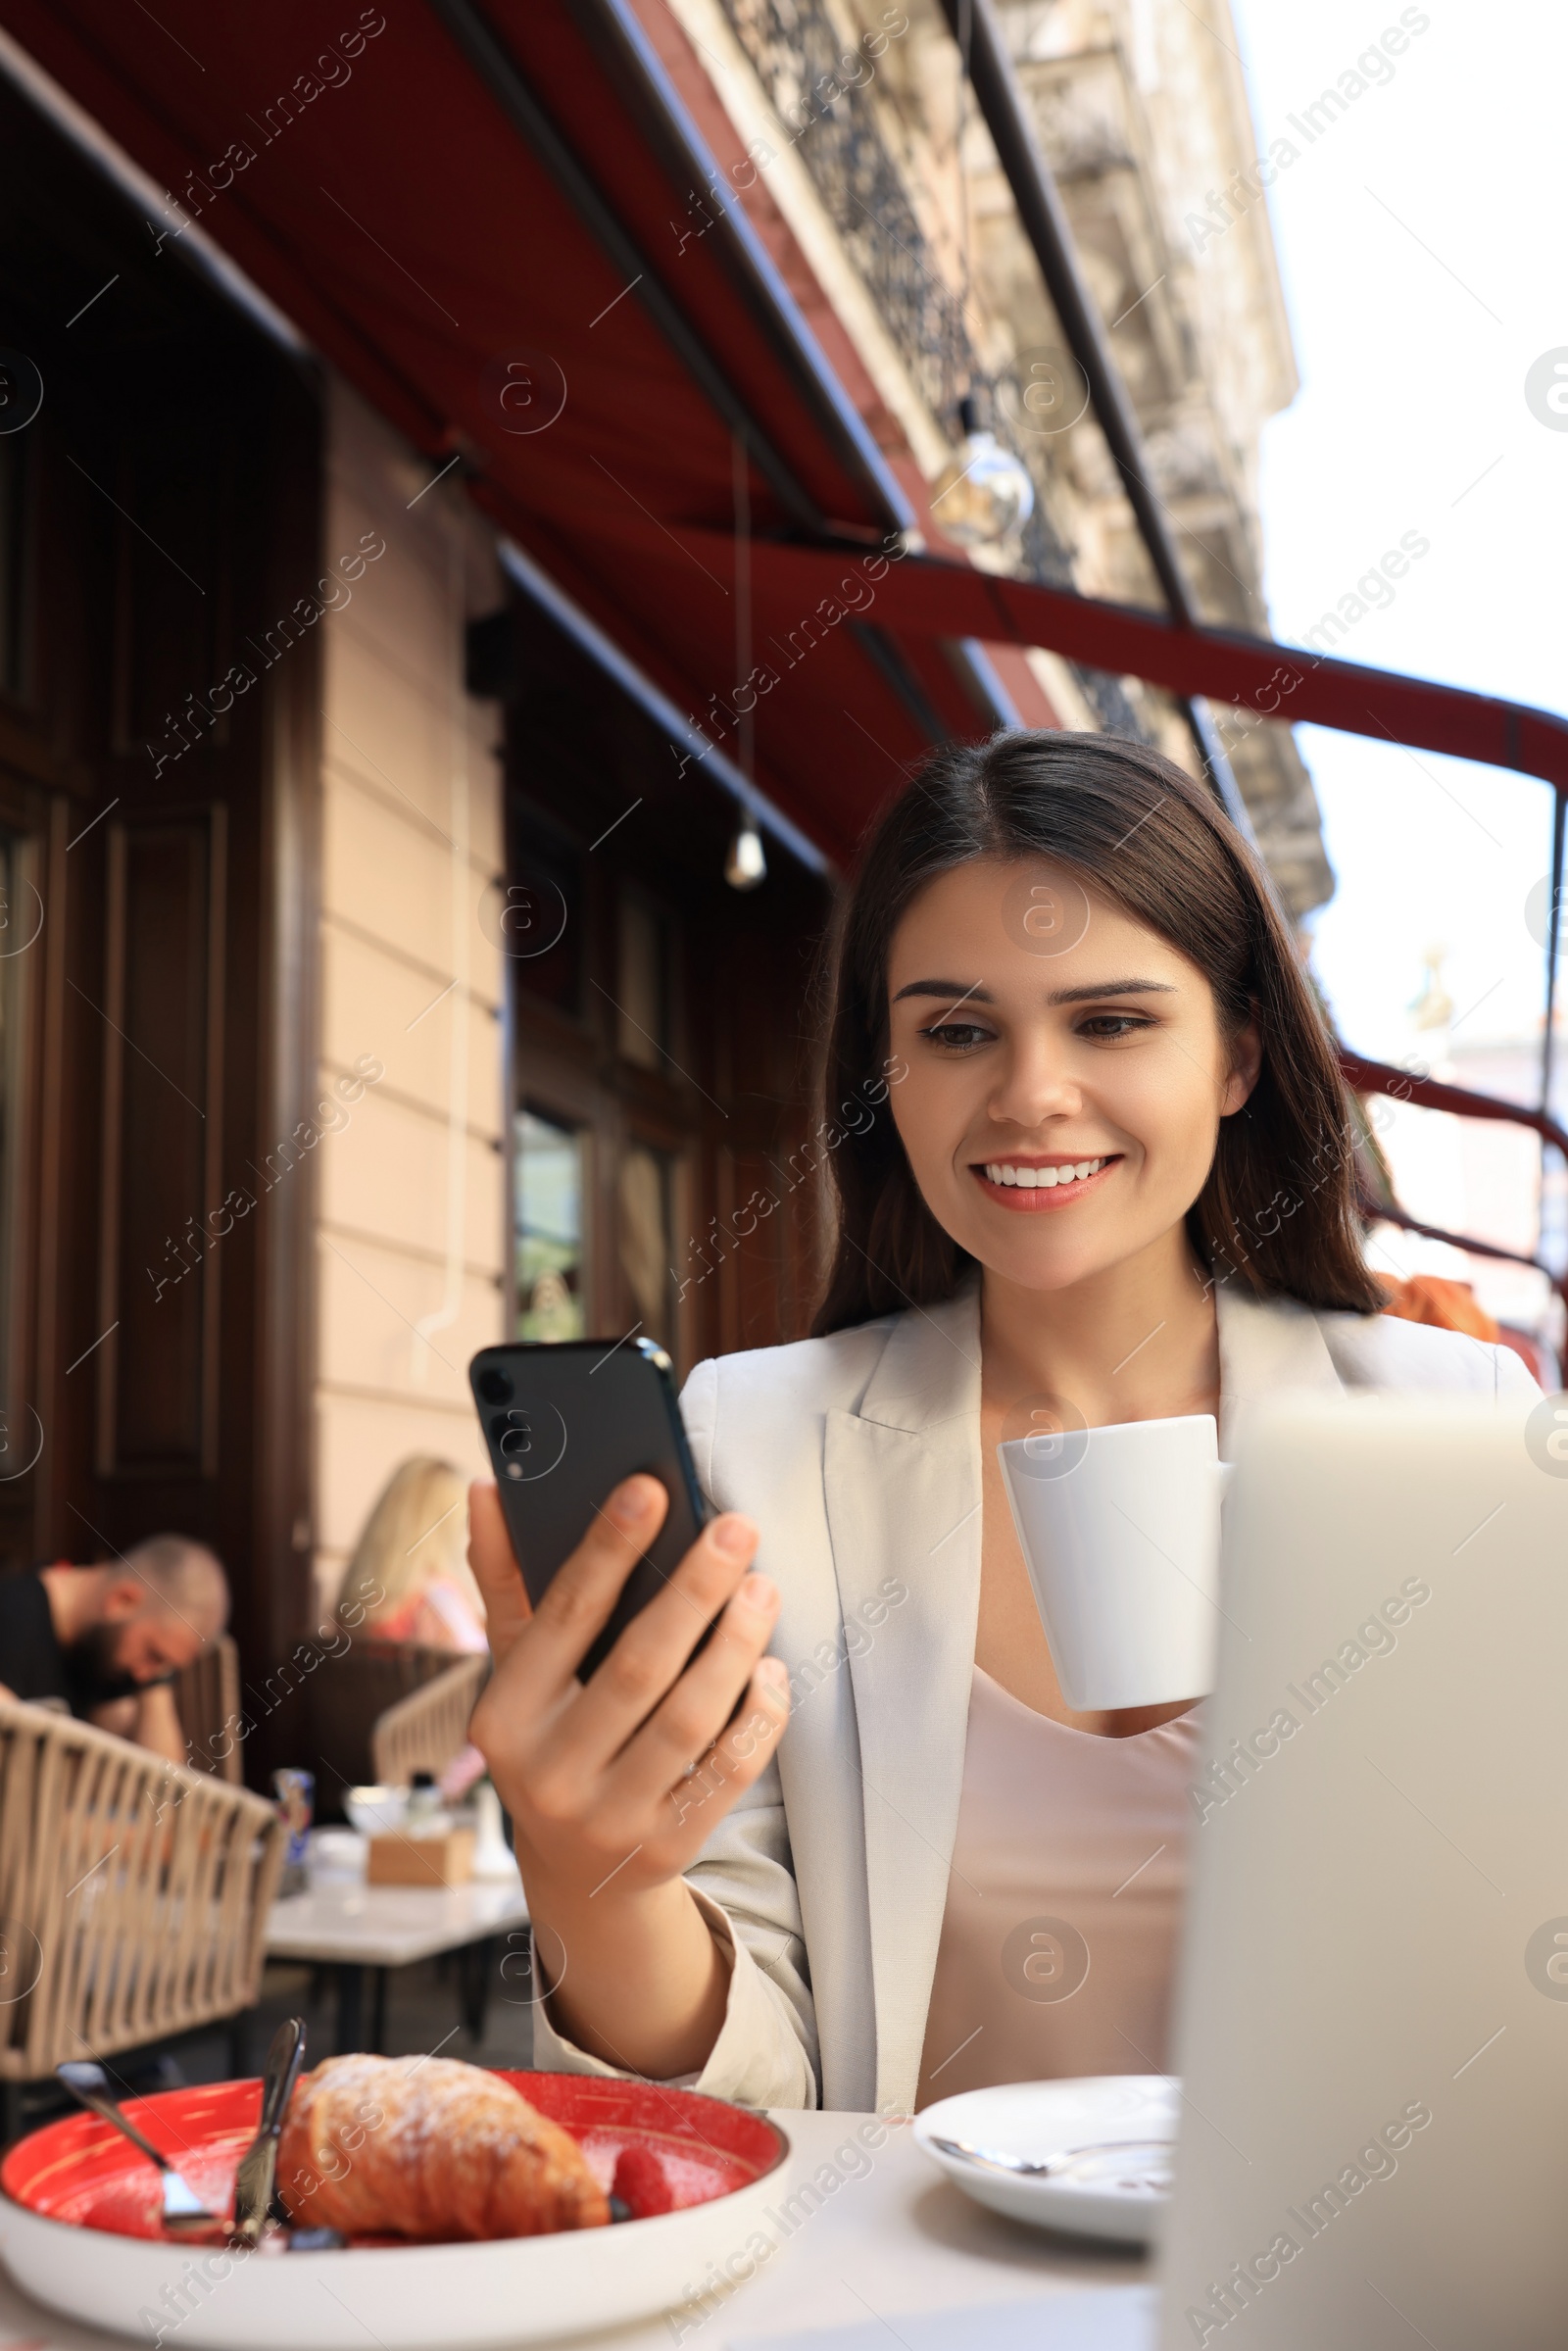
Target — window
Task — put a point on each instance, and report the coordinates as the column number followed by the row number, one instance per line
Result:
column 548, row 1218
column 646, row 1195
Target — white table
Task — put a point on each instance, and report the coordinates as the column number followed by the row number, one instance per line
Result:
column 342, row 1923
column 886, row 2254
column 886, row 2250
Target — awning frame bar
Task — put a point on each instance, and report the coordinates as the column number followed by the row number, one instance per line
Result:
column 535, row 582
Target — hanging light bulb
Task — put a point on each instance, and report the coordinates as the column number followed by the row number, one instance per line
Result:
column 984, row 494
column 746, row 862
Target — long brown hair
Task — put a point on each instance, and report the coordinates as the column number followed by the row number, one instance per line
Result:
column 1278, row 1208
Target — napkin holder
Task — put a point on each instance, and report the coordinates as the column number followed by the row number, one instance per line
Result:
column 445, row 1859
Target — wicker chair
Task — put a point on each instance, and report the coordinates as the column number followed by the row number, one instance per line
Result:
column 346, row 1700
column 424, row 1730
column 133, row 1895
column 207, row 1700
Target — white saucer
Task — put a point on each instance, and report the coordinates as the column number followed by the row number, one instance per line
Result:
column 1077, row 2127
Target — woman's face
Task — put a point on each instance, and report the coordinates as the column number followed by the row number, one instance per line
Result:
column 1066, row 1071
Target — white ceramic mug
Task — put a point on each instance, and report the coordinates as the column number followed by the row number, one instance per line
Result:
column 1119, row 1529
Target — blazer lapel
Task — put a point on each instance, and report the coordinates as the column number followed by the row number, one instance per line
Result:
column 903, row 1484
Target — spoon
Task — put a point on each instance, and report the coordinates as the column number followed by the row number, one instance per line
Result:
column 1148, row 2161
column 184, row 2213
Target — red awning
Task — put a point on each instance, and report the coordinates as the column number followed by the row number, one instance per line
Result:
column 376, row 185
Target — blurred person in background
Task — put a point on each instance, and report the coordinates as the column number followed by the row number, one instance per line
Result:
column 106, row 1641
column 408, row 1580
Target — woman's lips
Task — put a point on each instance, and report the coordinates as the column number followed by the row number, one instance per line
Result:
column 1042, row 1198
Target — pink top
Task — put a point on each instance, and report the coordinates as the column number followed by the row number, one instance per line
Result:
column 1065, row 1899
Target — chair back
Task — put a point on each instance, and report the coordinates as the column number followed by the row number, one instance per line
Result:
column 134, row 1893
column 207, row 1700
column 427, row 1730
column 344, row 1701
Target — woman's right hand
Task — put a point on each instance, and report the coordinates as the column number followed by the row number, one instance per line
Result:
column 620, row 1780
column 615, row 1786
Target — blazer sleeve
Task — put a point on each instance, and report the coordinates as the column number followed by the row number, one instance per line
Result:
column 1383, row 1351
column 1516, row 1382
column 744, row 1884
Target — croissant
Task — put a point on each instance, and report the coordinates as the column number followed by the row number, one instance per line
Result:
column 431, row 2148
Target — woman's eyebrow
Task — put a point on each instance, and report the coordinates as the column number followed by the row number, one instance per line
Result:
column 952, row 990
column 1085, row 995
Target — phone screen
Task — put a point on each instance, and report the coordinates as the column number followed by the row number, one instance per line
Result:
column 564, row 1423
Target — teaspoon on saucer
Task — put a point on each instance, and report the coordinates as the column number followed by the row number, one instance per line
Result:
column 1142, row 2165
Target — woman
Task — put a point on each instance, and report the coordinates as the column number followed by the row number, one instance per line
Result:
column 1110, row 1181
column 408, row 1580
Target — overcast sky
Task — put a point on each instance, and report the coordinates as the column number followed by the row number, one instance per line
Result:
column 1422, row 244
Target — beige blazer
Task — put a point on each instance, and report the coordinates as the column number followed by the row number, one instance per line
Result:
column 859, row 1456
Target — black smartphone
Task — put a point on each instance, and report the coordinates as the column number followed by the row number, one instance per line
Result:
column 564, row 1421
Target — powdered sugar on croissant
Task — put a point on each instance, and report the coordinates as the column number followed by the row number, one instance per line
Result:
column 431, row 2148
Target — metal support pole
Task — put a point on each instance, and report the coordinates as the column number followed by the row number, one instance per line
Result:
column 1553, row 919
column 1559, row 814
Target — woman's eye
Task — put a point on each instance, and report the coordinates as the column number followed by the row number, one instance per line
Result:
column 1109, row 1026
column 957, row 1035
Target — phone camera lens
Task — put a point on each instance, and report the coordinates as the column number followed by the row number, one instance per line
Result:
column 528, row 1438
column 495, row 1385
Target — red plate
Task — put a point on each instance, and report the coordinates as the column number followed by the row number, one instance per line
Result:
column 81, row 2171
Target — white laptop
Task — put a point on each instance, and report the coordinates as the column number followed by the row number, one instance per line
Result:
column 1373, row 2014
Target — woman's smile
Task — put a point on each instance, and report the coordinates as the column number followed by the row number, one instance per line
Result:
column 1030, row 1183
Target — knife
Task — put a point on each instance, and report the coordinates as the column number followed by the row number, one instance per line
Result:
column 258, row 2166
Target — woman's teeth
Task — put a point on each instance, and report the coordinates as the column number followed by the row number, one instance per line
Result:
column 1042, row 1179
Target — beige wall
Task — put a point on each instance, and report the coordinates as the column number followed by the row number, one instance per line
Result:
column 410, row 1194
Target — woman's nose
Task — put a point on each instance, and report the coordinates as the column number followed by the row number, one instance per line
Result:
column 1035, row 1087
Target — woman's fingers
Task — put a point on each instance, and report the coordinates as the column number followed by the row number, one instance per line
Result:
column 494, row 1570
column 586, row 1770
column 527, row 1722
column 650, row 1654
column 694, row 1714
column 577, row 1603
column 693, row 1807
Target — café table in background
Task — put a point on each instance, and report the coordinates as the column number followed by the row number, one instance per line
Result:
column 357, row 1931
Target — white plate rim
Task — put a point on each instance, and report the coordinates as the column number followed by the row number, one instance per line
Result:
column 1046, row 2203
